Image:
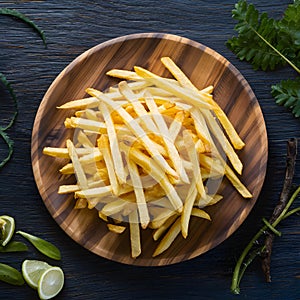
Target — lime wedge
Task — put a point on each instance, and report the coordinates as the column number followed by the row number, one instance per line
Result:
column 51, row 283
column 7, row 229
column 32, row 271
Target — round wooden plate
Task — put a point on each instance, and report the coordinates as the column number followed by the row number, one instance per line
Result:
column 204, row 67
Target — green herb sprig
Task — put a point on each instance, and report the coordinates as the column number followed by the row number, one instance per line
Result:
column 245, row 259
column 16, row 14
column 7, row 85
column 261, row 244
column 268, row 44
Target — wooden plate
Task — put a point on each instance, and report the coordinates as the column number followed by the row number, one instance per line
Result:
column 204, row 67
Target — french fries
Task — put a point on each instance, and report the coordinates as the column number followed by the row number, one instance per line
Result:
column 143, row 152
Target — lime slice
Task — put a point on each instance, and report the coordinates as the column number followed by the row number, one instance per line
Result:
column 51, row 283
column 32, row 271
column 7, row 229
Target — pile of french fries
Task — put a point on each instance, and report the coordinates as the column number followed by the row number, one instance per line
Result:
column 144, row 151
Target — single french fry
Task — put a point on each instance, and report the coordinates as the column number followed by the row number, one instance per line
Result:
column 187, row 208
column 91, row 125
column 116, row 228
column 169, row 238
column 67, row 189
column 162, row 229
column 186, row 94
column 218, row 133
column 103, row 145
column 114, row 207
column 94, row 192
column 193, row 155
column 136, row 86
column 80, row 203
column 240, row 187
column 139, row 194
column 81, row 178
column 234, row 137
column 197, row 212
column 124, row 74
column 67, row 169
column 177, row 73
column 113, row 144
column 102, row 216
column 135, row 239
column 63, row 152
column 80, row 103
column 208, row 201
column 89, row 166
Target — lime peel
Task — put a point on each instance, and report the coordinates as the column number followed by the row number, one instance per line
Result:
column 7, row 229
column 32, row 270
column 51, row 283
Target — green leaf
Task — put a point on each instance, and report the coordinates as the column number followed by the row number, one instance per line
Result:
column 6, row 83
column 14, row 246
column 248, row 45
column 10, row 275
column 287, row 93
column 289, row 33
column 10, row 145
column 43, row 246
column 25, row 19
column 264, row 42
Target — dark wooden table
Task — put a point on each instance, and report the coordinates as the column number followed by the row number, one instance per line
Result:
column 71, row 27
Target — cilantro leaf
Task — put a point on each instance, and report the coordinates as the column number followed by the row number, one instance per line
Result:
column 287, row 93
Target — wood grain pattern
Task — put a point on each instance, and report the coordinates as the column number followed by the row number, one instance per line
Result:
column 203, row 66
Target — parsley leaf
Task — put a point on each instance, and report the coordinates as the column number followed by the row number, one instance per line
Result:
column 287, row 93
column 263, row 41
column 289, row 33
column 248, row 45
column 267, row 44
